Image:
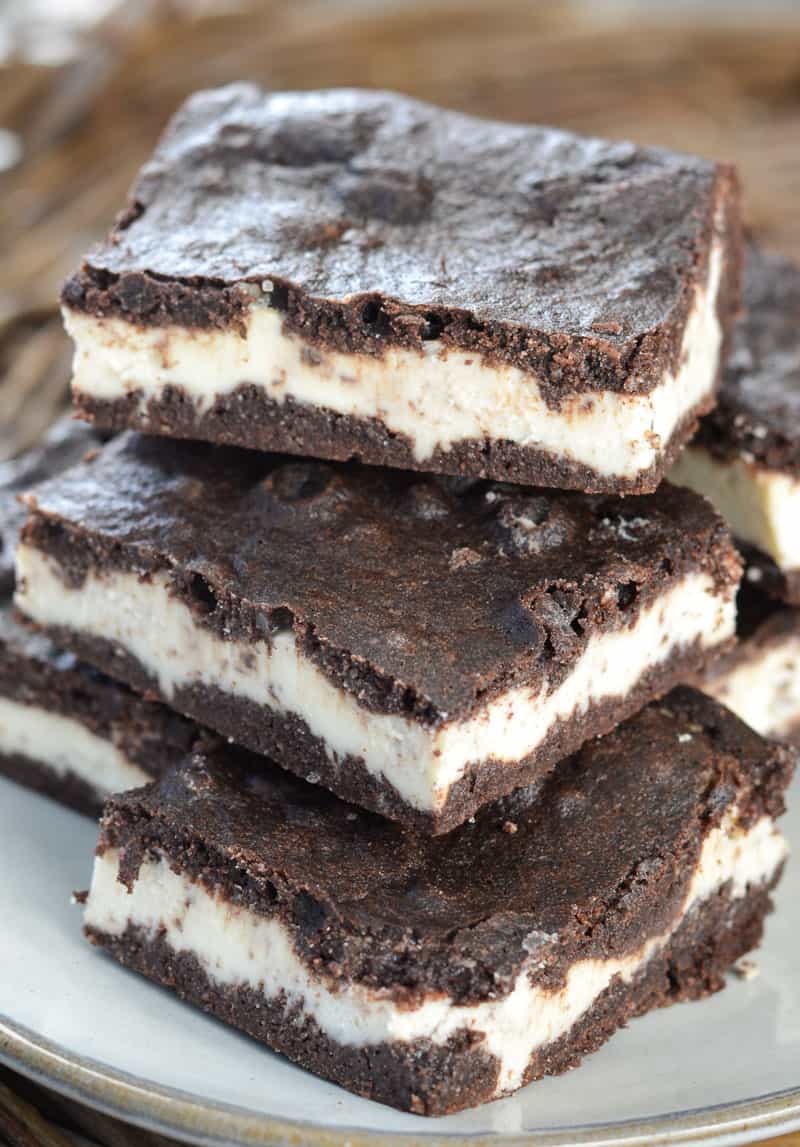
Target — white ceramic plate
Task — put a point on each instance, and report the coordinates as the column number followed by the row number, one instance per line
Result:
column 726, row 1070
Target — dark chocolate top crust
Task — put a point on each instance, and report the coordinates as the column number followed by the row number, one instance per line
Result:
column 65, row 444
column 421, row 595
column 374, row 219
column 592, row 862
column 758, row 415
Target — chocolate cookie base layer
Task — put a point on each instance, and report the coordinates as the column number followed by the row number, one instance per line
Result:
column 249, row 418
column 67, row 789
column 286, row 738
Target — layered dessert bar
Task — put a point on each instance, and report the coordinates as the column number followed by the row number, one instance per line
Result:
column 418, row 646
column 356, row 275
column 66, row 443
column 746, row 456
column 65, row 729
column 759, row 679
column 69, row 732
column 632, row 878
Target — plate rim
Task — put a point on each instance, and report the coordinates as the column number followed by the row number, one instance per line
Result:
column 188, row 1118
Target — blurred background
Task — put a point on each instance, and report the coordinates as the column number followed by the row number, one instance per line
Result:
column 86, row 86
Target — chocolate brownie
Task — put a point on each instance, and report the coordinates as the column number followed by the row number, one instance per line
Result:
column 357, row 275
column 70, row 732
column 746, row 456
column 65, row 444
column 65, row 729
column 419, row 646
column 759, row 679
column 633, row 876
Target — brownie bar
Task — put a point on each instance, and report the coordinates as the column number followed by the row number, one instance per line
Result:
column 746, row 456
column 65, row 444
column 65, row 729
column 418, row 646
column 68, row 731
column 632, row 877
column 759, row 679
column 357, row 275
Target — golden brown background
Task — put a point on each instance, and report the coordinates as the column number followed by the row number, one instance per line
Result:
column 727, row 87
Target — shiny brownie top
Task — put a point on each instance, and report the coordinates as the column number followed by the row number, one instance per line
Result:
column 370, row 218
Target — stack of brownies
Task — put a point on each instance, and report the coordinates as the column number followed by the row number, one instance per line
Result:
column 390, row 599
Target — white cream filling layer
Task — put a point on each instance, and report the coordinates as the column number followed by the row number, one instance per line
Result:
column 436, row 398
column 761, row 506
column 236, row 947
column 764, row 690
column 65, row 746
column 421, row 763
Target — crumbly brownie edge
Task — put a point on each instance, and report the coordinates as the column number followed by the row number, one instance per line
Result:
column 436, row 1080
column 249, row 418
column 287, row 739
column 371, row 323
column 69, row 789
